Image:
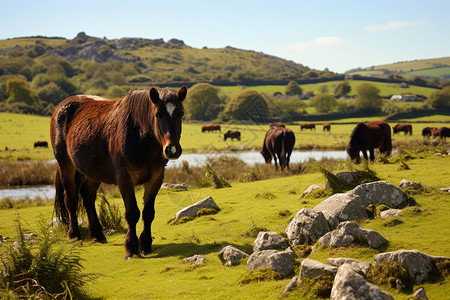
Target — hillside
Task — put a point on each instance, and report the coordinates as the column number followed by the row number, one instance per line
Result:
column 145, row 61
column 427, row 68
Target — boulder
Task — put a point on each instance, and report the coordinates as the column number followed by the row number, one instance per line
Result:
column 381, row 192
column 311, row 188
column 307, row 227
column 269, row 240
column 192, row 210
column 418, row 264
column 281, row 262
column 195, row 260
column 231, row 256
column 348, row 233
column 357, row 266
column 404, row 184
column 350, row 285
column 312, row 268
column 420, row 293
column 342, row 207
column 175, row 186
column 390, row 213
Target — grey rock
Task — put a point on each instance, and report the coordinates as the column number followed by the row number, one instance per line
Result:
column 311, row 188
column 231, row 256
column 175, row 186
column 312, row 268
column 192, row 210
column 350, row 285
column 357, row 266
column 381, row 192
column 307, row 227
column 348, row 233
column 195, row 260
column 420, row 293
column 404, row 184
column 446, row 189
column 269, row 240
column 281, row 262
column 390, row 213
column 418, row 264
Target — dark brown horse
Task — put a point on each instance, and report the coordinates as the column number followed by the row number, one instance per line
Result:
column 278, row 142
column 405, row 127
column 126, row 142
column 211, row 127
column 277, row 124
column 43, row 144
column 368, row 136
column 327, row 127
column 429, row 131
column 232, row 134
column 308, row 126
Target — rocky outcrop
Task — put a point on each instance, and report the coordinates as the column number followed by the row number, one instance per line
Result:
column 192, row 210
column 348, row 233
column 312, row 268
column 231, row 256
column 349, row 285
column 269, row 240
column 307, row 227
column 357, row 266
column 281, row 262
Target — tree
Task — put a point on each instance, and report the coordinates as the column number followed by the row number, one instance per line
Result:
column 440, row 99
column 293, row 88
column 203, row 102
column 247, row 105
column 19, row 91
column 324, row 102
column 368, row 98
column 342, row 89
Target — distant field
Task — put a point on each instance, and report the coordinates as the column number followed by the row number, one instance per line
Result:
column 19, row 132
column 431, row 72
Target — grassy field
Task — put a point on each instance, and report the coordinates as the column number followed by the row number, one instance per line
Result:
column 267, row 204
column 18, row 133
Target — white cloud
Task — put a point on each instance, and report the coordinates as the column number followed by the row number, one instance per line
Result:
column 321, row 42
column 394, row 25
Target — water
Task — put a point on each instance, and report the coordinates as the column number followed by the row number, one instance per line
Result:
column 194, row 160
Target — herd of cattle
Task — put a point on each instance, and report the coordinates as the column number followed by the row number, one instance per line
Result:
column 279, row 141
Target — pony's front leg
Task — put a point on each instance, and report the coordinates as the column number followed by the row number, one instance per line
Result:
column 148, row 214
column 275, row 160
column 132, row 215
column 372, row 154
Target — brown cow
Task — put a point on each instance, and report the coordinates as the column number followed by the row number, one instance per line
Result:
column 308, row 126
column 232, row 134
column 368, row 136
column 443, row 133
column 405, row 127
column 211, row 127
column 278, row 142
column 326, row 127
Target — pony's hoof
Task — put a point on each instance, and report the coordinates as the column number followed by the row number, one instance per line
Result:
column 130, row 256
column 147, row 252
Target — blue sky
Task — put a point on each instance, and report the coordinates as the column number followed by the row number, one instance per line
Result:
column 338, row 35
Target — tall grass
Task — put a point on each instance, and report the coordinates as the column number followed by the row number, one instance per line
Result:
column 26, row 173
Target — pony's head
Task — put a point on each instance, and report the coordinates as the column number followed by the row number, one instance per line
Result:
column 353, row 152
column 167, row 114
column 266, row 154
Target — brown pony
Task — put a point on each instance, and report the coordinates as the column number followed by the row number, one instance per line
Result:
column 429, row 131
column 232, row 134
column 126, row 142
column 277, row 124
column 279, row 141
column 368, row 136
column 443, row 133
column 308, row 126
column 327, row 127
column 405, row 127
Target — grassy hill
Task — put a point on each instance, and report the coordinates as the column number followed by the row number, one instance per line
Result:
column 436, row 67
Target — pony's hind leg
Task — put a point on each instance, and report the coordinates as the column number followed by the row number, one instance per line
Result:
column 88, row 191
column 71, row 199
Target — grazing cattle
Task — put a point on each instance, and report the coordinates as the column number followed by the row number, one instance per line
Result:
column 277, row 124
column 405, row 127
column 326, row 127
column 278, row 142
column 232, row 134
column 443, row 133
column 308, row 126
column 127, row 142
column 368, row 136
column 429, row 131
column 43, row 144
column 211, row 127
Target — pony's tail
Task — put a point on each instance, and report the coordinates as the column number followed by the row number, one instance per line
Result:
column 59, row 206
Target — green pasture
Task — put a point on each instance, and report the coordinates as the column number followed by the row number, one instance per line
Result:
column 18, row 133
column 268, row 204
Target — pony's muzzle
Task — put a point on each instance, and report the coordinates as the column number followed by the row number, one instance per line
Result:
column 172, row 151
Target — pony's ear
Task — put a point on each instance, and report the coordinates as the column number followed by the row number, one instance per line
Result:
column 154, row 95
column 182, row 92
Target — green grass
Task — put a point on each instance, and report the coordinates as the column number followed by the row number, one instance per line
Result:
column 241, row 210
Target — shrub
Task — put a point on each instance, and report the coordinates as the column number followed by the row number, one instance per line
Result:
column 110, row 216
column 387, row 275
